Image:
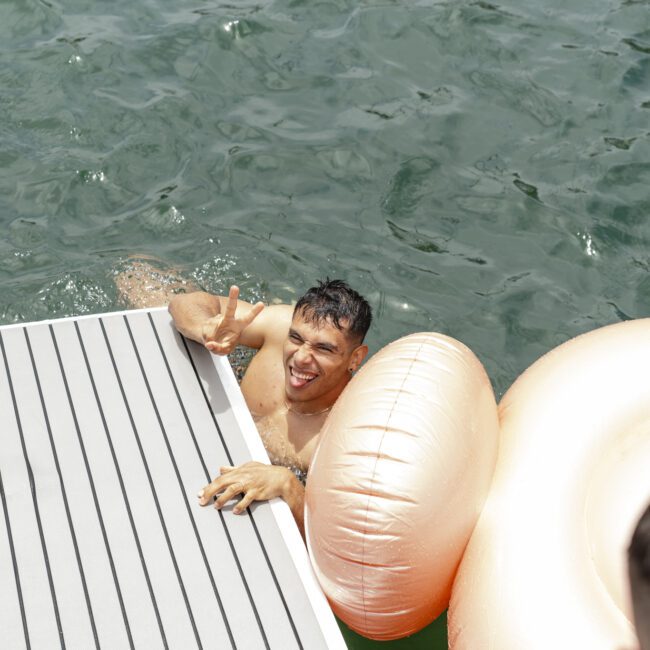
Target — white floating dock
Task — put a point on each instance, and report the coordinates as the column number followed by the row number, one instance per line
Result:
column 110, row 426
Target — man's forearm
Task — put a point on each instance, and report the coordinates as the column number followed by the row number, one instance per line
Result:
column 191, row 310
column 294, row 495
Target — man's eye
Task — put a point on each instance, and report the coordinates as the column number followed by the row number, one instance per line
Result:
column 320, row 348
column 295, row 337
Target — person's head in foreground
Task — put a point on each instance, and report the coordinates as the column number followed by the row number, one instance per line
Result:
column 639, row 568
column 325, row 342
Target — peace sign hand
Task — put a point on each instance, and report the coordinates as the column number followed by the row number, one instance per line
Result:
column 222, row 332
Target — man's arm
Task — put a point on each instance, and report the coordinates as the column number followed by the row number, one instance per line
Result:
column 257, row 482
column 217, row 322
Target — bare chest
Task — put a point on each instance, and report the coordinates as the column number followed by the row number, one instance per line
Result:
column 290, row 439
column 285, row 441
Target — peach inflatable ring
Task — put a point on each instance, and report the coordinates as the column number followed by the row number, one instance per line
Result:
column 408, row 457
column 546, row 565
column 397, row 483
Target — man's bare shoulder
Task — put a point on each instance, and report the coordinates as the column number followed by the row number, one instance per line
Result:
column 271, row 326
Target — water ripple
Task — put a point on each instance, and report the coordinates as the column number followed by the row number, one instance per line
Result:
column 476, row 167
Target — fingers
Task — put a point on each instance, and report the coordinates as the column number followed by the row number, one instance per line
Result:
column 253, row 313
column 209, row 331
column 231, row 308
column 206, row 494
column 218, row 340
column 231, row 305
column 229, row 493
column 245, row 501
column 228, row 490
column 218, row 485
column 219, row 348
column 221, row 333
column 227, row 487
column 233, row 481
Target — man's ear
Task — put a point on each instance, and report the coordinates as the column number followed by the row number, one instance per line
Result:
column 357, row 357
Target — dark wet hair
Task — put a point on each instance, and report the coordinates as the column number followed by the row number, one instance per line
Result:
column 337, row 302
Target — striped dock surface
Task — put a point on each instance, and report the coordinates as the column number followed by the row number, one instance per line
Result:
column 109, row 427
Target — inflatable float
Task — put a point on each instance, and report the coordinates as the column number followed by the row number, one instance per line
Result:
column 407, row 458
column 397, row 483
column 546, row 565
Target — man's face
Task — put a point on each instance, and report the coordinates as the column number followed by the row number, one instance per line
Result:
column 316, row 360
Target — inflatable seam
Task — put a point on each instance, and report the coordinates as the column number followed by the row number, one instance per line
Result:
column 374, row 471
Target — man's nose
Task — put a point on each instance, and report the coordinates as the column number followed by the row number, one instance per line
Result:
column 303, row 353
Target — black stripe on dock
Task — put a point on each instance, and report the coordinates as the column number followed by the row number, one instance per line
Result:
column 32, row 487
column 15, row 563
column 163, row 524
column 208, row 477
column 178, row 476
column 252, row 519
column 122, row 487
column 63, row 492
column 92, row 488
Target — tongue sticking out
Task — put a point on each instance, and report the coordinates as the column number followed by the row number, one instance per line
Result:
column 299, row 379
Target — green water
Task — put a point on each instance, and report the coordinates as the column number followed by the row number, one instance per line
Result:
column 432, row 637
column 476, row 168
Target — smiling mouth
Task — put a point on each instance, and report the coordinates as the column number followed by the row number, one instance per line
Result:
column 300, row 378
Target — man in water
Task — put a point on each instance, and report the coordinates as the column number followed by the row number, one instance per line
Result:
column 306, row 356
